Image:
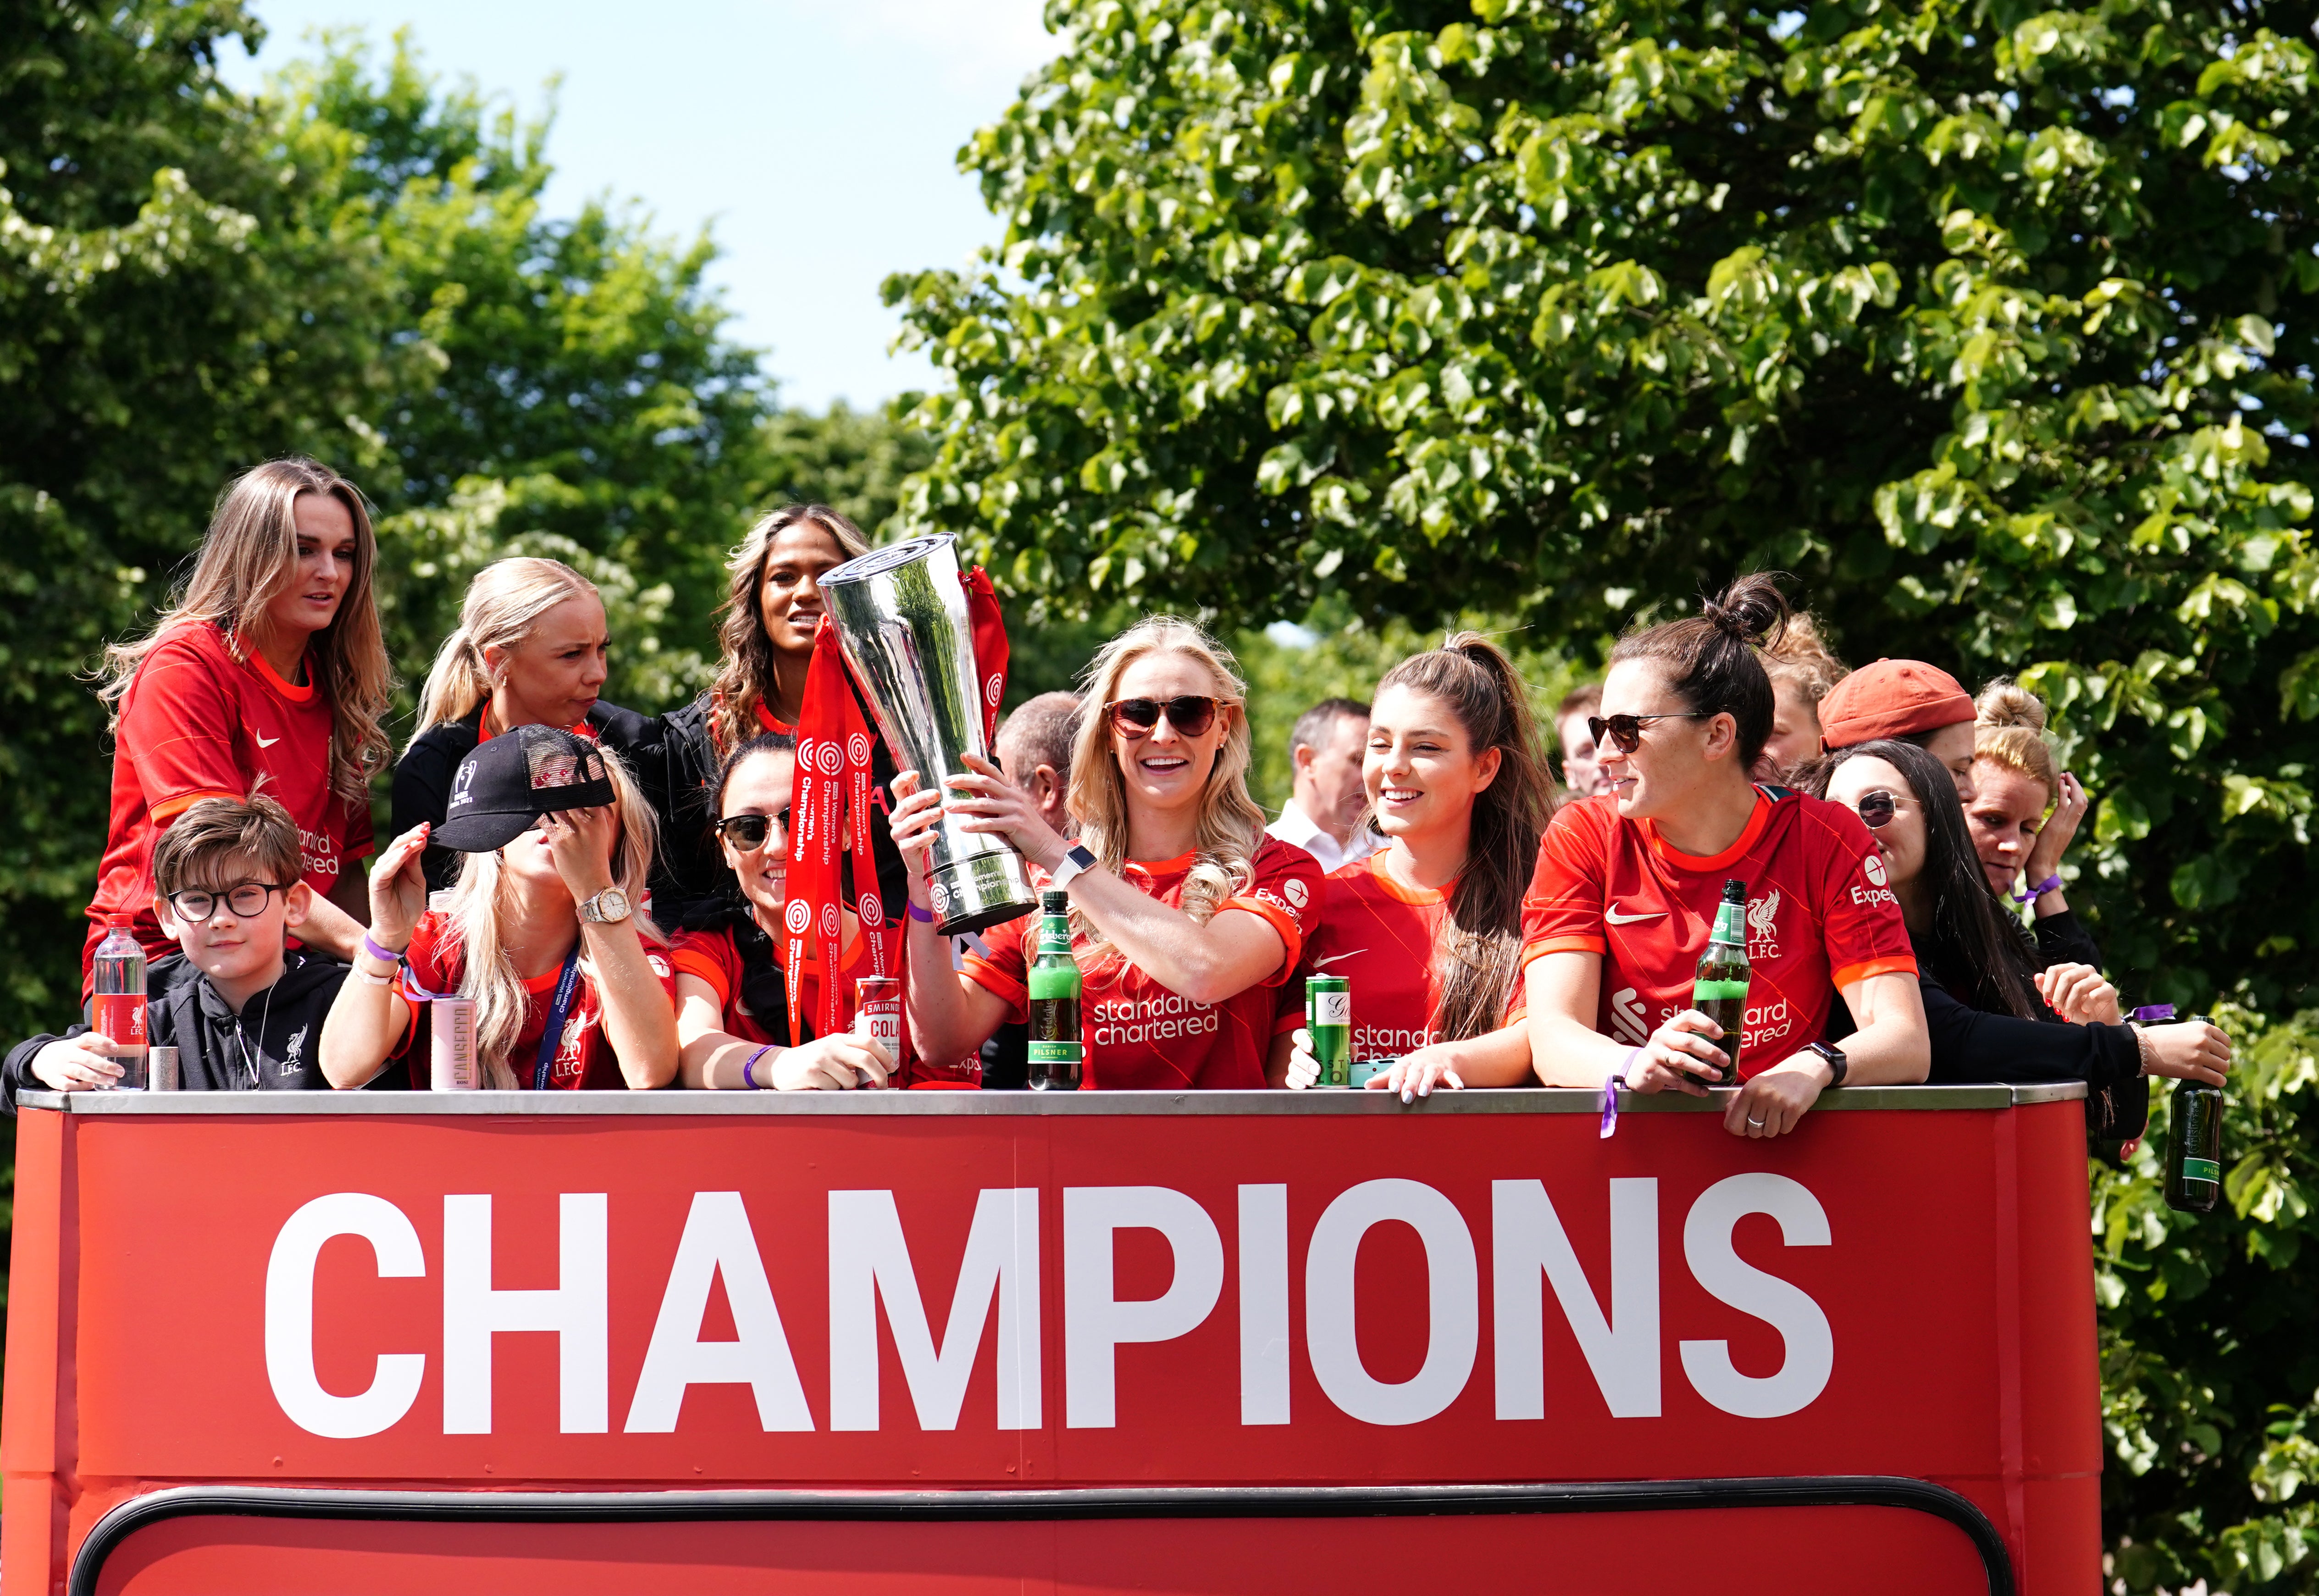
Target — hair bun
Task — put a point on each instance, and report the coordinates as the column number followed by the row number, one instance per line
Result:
column 1751, row 610
column 2005, row 702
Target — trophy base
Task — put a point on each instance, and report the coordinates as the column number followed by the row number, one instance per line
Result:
column 987, row 889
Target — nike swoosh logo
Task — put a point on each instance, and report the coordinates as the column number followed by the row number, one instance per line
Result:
column 1614, row 917
column 264, row 741
column 1333, row 957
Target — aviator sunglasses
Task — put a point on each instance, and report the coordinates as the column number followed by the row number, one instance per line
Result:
column 1626, row 731
column 1877, row 808
column 1190, row 714
column 747, row 832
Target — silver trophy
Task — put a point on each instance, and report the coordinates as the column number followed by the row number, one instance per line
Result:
column 901, row 614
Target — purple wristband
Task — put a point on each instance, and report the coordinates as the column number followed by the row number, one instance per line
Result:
column 1611, row 1093
column 749, row 1065
column 2052, row 883
column 924, row 916
column 377, row 953
column 2150, row 1013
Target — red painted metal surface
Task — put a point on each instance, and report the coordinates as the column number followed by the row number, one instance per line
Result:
column 1334, row 1296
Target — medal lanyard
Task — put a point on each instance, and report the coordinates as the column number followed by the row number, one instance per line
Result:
column 552, row 1038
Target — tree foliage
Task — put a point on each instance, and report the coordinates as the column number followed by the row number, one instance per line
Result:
column 1988, row 322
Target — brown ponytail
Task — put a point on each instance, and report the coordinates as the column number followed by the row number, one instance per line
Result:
column 1710, row 657
column 1481, row 950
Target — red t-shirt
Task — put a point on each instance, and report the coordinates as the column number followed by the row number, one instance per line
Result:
column 1139, row 1036
column 711, row 957
column 584, row 1060
column 1820, row 915
column 1382, row 935
column 196, row 723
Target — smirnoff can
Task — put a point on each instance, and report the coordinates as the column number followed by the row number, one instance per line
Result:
column 451, row 1032
column 1329, row 1016
column 877, row 1012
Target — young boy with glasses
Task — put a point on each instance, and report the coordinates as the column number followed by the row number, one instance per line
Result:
column 244, row 1012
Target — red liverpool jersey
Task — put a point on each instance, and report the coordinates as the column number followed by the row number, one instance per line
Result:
column 198, row 723
column 1820, row 915
column 1383, row 936
column 1140, row 1035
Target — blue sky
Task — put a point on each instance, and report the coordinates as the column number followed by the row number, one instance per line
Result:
column 816, row 141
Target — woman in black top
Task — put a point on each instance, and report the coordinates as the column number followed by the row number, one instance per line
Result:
column 531, row 649
column 771, row 613
column 1993, row 1016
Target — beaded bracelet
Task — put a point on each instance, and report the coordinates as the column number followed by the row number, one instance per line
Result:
column 749, row 1066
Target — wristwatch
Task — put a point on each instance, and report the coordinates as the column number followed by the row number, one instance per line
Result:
column 1835, row 1057
column 1077, row 858
column 608, row 908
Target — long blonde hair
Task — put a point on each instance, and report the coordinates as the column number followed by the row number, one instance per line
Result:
column 480, row 901
column 746, row 670
column 1230, row 827
column 505, row 601
column 248, row 555
column 2009, row 732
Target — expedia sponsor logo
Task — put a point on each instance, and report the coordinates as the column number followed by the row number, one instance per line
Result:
column 1295, row 892
column 1872, row 867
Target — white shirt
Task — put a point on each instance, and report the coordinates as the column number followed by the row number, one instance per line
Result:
column 1297, row 829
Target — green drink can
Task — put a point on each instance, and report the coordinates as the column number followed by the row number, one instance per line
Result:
column 1329, row 1016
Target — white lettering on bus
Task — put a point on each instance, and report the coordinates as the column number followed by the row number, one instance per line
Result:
column 1617, row 1330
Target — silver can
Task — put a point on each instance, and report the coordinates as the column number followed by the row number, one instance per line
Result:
column 161, row 1070
column 901, row 614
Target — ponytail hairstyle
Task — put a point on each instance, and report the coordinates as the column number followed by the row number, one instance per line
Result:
column 747, row 669
column 482, row 896
column 505, row 601
column 1231, row 827
column 1481, row 947
column 1973, row 951
column 1711, row 660
column 2009, row 732
column 248, row 555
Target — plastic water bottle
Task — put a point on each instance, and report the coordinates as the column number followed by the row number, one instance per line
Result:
column 117, row 1013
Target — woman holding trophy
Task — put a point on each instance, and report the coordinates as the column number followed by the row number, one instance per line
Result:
column 1183, row 914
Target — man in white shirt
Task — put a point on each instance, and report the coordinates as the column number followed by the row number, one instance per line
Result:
column 1325, row 750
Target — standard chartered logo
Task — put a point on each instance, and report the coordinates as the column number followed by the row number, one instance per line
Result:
column 1627, row 1016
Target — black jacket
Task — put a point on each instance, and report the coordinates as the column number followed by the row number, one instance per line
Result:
column 2062, row 939
column 274, row 1045
column 1972, row 1045
column 422, row 776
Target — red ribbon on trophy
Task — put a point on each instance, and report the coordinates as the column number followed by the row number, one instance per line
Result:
column 830, row 810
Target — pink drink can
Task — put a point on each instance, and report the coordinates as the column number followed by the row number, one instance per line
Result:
column 451, row 1051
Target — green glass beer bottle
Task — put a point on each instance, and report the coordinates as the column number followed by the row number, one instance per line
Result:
column 1056, row 1055
column 2194, row 1145
column 1719, row 989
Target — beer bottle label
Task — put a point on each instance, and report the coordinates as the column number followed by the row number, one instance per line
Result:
column 1730, row 925
column 1715, row 991
column 2201, row 1170
column 1054, row 934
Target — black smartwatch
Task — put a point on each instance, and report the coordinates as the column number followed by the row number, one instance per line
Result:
column 1835, row 1057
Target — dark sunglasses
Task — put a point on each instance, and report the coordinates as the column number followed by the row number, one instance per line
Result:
column 246, row 900
column 1190, row 714
column 1877, row 808
column 1626, row 731
column 748, row 832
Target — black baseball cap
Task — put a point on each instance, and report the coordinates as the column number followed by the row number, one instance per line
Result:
column 509, row 781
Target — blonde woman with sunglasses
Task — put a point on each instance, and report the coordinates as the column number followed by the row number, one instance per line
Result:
column 1185, row 915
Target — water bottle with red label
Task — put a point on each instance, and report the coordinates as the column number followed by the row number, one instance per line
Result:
column 117, row 1006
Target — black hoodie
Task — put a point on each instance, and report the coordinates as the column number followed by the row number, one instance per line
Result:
column 274, row 1045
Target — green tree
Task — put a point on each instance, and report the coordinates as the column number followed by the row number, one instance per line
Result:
column 1988, row 322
